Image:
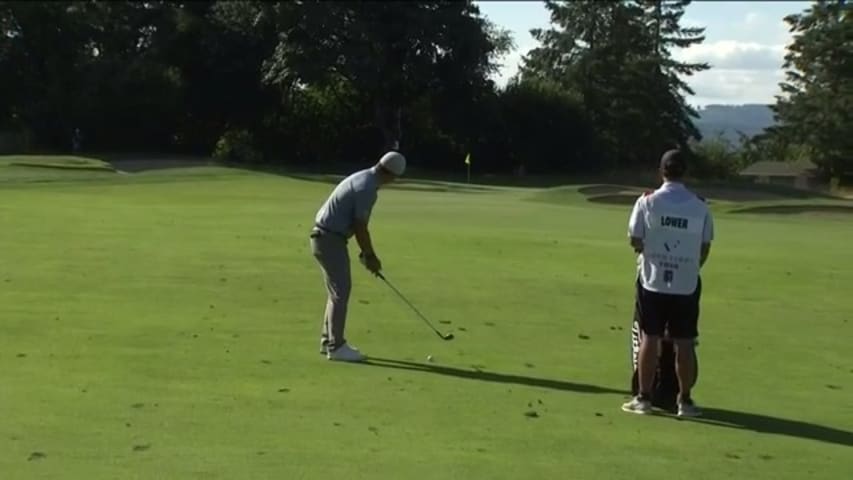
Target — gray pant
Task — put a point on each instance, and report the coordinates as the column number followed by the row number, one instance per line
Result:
column 332, row 254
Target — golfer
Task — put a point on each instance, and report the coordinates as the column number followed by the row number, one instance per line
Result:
column 672, row 229
column 346, row 213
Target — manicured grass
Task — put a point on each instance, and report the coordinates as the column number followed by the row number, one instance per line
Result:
column 61, row 162
column 165, row 325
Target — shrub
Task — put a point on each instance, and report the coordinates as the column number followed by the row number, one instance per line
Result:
column 237, row 146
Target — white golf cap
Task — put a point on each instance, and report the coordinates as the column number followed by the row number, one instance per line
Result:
column 394, row 163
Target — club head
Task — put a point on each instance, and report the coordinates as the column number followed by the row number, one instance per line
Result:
column 447, row 336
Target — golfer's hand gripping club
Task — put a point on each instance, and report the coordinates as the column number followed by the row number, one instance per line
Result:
column 371, row 263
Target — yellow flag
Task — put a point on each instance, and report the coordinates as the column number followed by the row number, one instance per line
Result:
column 468, row 159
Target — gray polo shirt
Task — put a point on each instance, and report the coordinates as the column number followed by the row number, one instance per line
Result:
column 351, row 200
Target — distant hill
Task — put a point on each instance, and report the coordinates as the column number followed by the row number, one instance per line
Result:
column 728, row 120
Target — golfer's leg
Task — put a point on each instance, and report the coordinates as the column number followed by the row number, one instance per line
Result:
column 317, row 251
column 338, row 285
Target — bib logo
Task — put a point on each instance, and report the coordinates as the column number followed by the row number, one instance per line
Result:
column 674, row 246
column 674, row 222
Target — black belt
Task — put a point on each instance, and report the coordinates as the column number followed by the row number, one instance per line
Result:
column 323, row 230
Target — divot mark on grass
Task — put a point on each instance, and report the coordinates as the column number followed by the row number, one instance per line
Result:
column 583, row 337
column 531, row 414
column 141, row 448
column 21, row 355
column 283, row 390
column 137, row 405
column 36, row 456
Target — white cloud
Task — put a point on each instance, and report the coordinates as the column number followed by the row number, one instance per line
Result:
column 735, row 86
column 733, row 55
column 741, row 72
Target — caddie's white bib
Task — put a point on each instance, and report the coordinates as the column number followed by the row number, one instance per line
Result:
column 672, row 244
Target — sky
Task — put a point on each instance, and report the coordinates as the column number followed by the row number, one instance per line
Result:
column 744, row 44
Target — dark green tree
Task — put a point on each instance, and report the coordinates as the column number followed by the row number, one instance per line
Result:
column 390, row 52
column 816, row 107
column 617, row 56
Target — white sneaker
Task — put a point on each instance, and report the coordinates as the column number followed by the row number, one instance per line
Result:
column 636, row 405
column 689, row 409
column 346, row 353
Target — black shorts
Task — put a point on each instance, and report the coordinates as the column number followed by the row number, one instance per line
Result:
column 659, row 313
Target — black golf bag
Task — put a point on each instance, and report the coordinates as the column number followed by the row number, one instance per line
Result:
column 665, row 392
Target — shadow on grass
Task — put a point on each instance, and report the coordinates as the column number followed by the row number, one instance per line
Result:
column 484, row 376
column 774, row 426
column 797, row 209
column 734, row 191
column 620, row 199
column 594, row 190
column 60, row 166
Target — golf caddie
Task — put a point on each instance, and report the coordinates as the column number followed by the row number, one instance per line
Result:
column 671, row 228
column 346, row 213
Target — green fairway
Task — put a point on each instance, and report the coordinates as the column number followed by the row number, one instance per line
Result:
column 165, row 325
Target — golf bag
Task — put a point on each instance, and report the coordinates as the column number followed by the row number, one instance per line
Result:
column 665, row 393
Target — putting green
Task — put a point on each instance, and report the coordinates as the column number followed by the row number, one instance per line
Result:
column 165, row 325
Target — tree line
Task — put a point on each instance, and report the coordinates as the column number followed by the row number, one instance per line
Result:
column 312, row 81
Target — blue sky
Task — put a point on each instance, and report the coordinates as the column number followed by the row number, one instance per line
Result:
column 744, row 43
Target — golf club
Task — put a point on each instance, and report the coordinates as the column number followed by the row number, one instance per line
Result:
column 448, row 336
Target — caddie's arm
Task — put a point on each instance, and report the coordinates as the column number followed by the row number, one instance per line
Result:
column 707, row 238
column 637, row 226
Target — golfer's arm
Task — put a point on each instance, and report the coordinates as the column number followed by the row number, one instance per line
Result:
column 362, row 236
column 704, row 254
column 637, row 244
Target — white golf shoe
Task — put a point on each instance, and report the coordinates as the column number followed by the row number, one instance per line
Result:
column 345, row 353
column 688, row 410
column 637, row 405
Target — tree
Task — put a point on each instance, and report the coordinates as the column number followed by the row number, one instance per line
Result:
column 584, row 53
column 816, row 107
column 41, row 48
column 389, row 51
column 616, row 54
column 666, row 90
